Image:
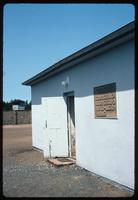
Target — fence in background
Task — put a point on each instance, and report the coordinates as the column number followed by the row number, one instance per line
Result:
column 17, row 117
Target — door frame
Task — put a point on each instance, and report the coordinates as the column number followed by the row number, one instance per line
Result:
column 66, row 95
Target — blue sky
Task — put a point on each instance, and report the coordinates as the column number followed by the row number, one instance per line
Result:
column 38, row 35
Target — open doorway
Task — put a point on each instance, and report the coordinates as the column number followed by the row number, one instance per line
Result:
column 71, row 124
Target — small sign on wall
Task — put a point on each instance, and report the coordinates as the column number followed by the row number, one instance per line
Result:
column 105, row 101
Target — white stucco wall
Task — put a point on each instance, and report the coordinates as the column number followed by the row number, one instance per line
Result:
column 103, row 146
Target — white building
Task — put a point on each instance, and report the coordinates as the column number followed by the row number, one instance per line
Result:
column 83, row 107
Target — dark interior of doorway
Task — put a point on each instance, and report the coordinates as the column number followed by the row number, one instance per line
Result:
column 71, row 124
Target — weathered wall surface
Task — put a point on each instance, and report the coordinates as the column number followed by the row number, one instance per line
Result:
column 17, row 117
column 103, row 146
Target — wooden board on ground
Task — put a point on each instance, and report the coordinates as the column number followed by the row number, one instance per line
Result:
column 61, row 161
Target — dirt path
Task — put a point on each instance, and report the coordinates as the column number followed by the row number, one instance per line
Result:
column 27, row 174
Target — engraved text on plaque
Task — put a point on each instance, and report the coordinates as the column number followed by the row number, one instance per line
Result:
column 105, row 101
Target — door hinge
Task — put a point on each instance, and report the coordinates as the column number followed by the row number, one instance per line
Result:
column 46, row 123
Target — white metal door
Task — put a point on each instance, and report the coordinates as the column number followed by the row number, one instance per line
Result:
column 56, row 127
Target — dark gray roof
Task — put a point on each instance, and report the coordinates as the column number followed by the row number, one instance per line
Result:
column 115, row 38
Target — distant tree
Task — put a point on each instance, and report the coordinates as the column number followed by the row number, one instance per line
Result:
column 28, row 105
column 18, row 102
column 7, row 106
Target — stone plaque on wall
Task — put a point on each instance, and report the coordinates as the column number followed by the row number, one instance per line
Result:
column 105, row 101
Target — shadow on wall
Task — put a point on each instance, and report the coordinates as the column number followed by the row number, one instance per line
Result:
column 112, row 66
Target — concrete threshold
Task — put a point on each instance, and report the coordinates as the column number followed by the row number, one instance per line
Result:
column 60, row 161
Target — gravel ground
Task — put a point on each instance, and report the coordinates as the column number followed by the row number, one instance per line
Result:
column 27, row 174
